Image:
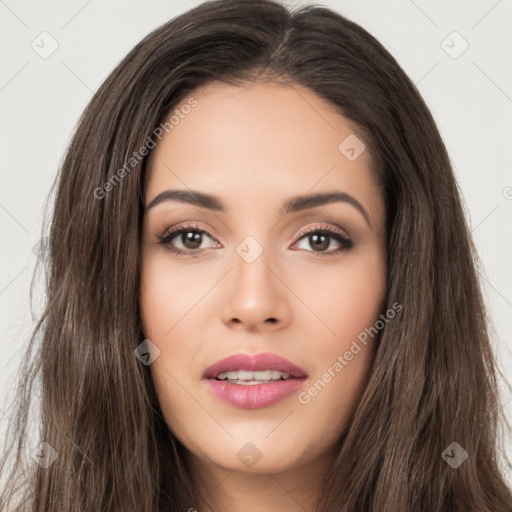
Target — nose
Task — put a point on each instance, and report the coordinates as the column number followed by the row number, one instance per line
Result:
column 255, row 296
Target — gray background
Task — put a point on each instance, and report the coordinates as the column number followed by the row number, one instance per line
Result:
column 41, row 99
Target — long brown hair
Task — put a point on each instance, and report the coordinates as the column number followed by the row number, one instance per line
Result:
column 434, row 377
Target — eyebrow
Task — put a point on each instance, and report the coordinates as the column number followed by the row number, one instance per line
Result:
column 292, row 205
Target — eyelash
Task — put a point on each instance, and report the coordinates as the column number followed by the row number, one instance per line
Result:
column 169, row 235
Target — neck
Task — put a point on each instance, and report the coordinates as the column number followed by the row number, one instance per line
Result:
column 294, row 490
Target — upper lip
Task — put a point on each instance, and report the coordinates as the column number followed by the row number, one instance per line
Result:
column 254, row 362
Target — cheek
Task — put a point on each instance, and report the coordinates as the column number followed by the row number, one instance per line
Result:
column 167, row 295
column 168, row 317
column 349, row 302
column 345, row 299
column 153, row 298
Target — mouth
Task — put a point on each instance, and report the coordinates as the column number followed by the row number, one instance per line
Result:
column 251, row 378
column 254, row 381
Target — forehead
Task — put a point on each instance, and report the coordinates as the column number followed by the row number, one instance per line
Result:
column 257, row 143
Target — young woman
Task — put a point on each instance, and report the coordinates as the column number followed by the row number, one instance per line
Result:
column 262, row 293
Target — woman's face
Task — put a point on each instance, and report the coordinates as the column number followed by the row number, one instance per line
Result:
column 248, row 279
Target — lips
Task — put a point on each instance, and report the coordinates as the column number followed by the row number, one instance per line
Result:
column 255, row 395
column 257, row 362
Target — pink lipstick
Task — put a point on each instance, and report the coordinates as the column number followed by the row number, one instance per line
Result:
column 254, row 381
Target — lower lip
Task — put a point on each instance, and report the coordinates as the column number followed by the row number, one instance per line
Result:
column 254, row 396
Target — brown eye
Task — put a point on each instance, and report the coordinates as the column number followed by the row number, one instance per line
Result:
column 319, row 240
column 190, row 238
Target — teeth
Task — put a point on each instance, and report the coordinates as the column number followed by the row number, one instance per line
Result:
column 246, row 377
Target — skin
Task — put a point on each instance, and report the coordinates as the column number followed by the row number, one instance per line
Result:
column 254, row 147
